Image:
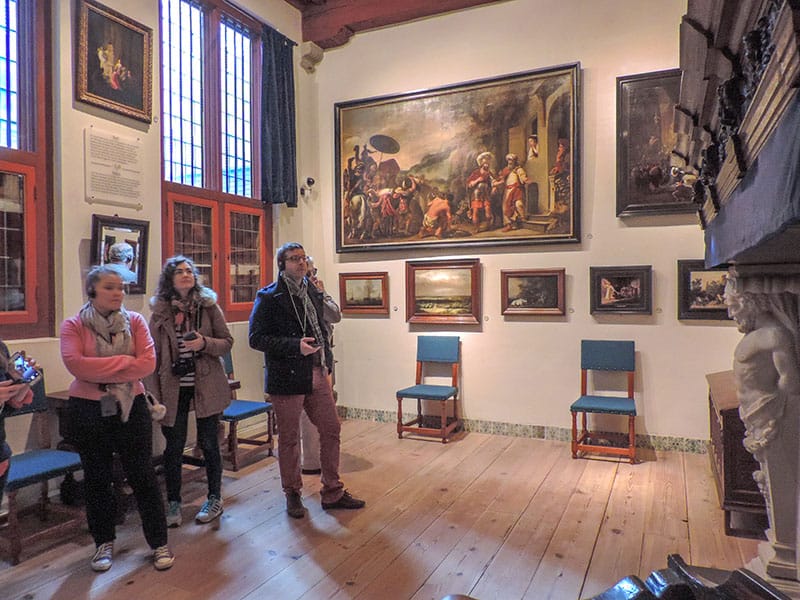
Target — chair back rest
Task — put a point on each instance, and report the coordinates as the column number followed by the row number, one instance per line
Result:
column 437, row 348
column 227, row 363
column 607, row 355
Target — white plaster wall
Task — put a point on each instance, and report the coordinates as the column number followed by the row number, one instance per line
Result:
column 519, row 370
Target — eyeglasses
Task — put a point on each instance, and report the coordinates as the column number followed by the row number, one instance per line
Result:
column 297, row 258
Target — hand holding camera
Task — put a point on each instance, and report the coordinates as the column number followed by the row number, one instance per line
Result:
column 193, row 341
column 309, row 345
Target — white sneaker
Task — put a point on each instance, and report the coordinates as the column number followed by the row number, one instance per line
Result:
column 212, row 508
column 174, row 517
column 163, row 558
column 103, row 557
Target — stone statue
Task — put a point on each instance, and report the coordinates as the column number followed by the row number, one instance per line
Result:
column 765, row 366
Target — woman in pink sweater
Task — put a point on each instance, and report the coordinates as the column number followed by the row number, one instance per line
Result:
column 109, row 350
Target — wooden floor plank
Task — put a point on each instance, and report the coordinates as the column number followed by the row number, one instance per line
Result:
column 491, row 516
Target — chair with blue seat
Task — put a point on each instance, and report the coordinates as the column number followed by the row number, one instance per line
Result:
column 238, row 411
column 38, row 466
column 432, row 350
column 605, row 355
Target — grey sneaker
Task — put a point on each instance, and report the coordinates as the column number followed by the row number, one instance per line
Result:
column 103, row 557
column 212, row 508
column 163, row 558
column 174, row 516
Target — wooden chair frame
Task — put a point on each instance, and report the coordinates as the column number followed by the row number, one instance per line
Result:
column 581, row 441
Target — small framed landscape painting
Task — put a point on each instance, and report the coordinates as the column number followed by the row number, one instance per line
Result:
column 621, row 290
column 532, row 291
column 443, row 291
column 701, row 291
column 364, row 293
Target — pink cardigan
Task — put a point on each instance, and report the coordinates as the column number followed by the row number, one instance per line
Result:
column 79, row 352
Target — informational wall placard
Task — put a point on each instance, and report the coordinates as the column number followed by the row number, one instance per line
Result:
column 113, row 169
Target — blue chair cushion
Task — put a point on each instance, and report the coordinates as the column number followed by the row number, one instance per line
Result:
column 244, row 409
column 428, row 392
column 604, row 404
column 40, row 465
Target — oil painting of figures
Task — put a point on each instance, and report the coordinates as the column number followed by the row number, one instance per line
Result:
column 487, row 162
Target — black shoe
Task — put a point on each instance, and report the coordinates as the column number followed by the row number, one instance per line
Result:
column 311, row 471
column 346, row 501
column 294, row 505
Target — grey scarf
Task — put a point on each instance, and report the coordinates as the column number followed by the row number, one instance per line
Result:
column 109, row 343
column 309, row 313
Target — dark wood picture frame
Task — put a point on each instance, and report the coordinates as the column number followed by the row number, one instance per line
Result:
column 107, row 231
column 646, row 182
column 114, row 61
column 701, row 291
column 621, row 290
column 532, row 291
column 443, row 291
column 401, row 183
column 364, row 293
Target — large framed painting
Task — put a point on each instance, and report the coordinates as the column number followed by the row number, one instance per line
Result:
column 701, row 291
column 490, row 162
column 123, row 242
column 114, row 59
column 532, row 291
column 443, row 291
column 648, row 178
column 364, row 293
column 621, row 290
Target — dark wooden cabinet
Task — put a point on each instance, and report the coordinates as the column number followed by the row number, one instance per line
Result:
column 731, row 463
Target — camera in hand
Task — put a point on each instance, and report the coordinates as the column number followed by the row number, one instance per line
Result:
column 190, row 335
column 20, row 369
column 183, row 366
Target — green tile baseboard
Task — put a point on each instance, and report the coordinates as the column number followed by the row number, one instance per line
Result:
column 562, row 434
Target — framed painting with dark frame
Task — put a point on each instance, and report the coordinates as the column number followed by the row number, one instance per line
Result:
column 126, row 241
column 701, row 291
column 532, row 291
column 489, row 162
column 364, row 293
column 114, row 61
column 647, row 184
column 621, row 290
column 443, row 291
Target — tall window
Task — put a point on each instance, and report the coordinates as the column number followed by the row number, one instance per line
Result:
column 25, row 185
column 211, row 60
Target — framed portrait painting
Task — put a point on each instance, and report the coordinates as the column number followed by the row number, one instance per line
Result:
column 532, row 292
column 120, row 241
column 701, row 291
column 443, row 291
column 364, row 293
column 490, row 162
column 114, row 59
column 647, row 184
column 621, row 290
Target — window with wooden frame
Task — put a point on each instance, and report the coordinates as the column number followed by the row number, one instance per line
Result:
column 26, row 231
column 211, row 99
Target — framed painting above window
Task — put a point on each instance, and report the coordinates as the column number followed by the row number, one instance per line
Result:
column 364, row 293
column 646, row 182
column 532, row 291
column 114, row 59
column 701, row 291
column 443, row 291
column 491, row 162
column 621, row 290
column 123, row 242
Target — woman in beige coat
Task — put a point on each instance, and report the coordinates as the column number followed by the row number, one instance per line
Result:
column 190, row 336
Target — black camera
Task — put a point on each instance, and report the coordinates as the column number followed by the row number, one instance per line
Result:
column 183, row 366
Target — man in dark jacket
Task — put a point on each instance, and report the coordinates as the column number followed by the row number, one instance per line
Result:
column 287, row 326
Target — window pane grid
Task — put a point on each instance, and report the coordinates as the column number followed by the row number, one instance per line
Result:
column 193, row 229
column 236, row 117
column 182, row 70
column 9, row 75
column 245, row 260
column 12, row 242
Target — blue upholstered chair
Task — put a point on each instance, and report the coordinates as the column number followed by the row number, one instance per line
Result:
column 240, row 410
column 39, row 466
column 604, row 355
column 432, row 349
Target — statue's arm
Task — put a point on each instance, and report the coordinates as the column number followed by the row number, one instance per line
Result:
column 785, row 360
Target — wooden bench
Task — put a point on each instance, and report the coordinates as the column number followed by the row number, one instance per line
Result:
column 38, row 466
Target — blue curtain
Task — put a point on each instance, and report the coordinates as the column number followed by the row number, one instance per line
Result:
column 278, row 144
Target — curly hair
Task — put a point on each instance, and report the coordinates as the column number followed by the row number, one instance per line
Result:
column 166, row 286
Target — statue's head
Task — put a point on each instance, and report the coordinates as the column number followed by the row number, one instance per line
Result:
column 745, row 307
